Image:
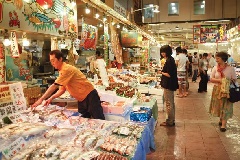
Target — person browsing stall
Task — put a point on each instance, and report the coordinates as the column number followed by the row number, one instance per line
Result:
column 75, row 82
column 169, row 83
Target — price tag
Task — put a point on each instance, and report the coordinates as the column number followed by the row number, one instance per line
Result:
column 14, row 148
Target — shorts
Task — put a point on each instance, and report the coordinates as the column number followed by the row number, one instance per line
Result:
column 181, row 77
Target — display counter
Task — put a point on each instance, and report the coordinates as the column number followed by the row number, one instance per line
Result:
column 38, row 135
column 54, row 132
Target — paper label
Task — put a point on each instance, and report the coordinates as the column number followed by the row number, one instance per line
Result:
column 14, row 148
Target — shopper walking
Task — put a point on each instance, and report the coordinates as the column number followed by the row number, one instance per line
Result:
column 75, row 82
column 190, row 59
column 181, row 62
column 221, row 76
column 203, row 66
column 195, row 66
column 169, row 83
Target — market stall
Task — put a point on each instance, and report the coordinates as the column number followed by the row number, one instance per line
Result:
column 36, row 133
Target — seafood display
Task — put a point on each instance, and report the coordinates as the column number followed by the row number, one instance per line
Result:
column 73, row 137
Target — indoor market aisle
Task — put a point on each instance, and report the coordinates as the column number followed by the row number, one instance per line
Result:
column 196, row 135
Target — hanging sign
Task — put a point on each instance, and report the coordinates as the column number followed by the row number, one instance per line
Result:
column 14, row 45
column 120, row 9
column 131, row 39
column 89, row 36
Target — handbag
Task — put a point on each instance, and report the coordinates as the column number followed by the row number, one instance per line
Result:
column 234, row 93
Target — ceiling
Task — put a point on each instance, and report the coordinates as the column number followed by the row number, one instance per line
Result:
column 177, row 31
column 162, row 32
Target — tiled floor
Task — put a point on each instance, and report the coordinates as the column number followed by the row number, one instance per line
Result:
column 196, row 135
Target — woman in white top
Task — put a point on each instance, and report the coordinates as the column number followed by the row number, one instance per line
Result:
column 221, row 75
column 100, row 65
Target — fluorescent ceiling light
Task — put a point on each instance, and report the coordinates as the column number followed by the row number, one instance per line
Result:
column 211, row 21
column 224, row 20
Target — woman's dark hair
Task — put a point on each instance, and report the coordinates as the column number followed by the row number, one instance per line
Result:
column 58, row 54
column 166, row 49
column 222, row 55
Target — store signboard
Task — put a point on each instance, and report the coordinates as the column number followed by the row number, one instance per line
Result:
column 176, row 44
column 12, row 100
column 222, row 33
column 42, row 16
column 209, row 33
column 120, row 9
column 131, row 39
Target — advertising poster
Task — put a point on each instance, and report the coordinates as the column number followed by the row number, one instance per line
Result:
column 17, row 69
column 89, row 36
column 209, row 33
column 196, row 33
column 51, row 16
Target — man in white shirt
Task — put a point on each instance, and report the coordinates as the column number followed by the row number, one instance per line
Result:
column 181, row 62
column 211, row 62
column 195, row 67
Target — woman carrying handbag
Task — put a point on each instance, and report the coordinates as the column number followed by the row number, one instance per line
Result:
column 222, row 75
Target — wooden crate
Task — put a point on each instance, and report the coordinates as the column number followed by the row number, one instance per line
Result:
column 32, row 94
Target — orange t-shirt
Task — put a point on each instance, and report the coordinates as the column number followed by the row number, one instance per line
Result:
column 74, row 81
